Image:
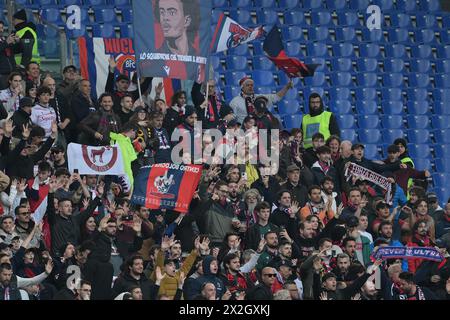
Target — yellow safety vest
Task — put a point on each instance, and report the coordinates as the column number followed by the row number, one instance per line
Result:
column 35, row 54
column 410, row 180
column 312, row 125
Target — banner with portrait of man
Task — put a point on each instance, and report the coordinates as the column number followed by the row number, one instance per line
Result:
column 172, row 38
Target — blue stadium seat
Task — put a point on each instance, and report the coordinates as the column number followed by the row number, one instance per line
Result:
column 369, row 136
column 52, row 15
column 418, row 107
column 400, row 20
column 418, row 121
column 430, row 5
column 425, row 21
column 241, row 50
column 420, row 65
column 341, row 107
column 385, row 5
column 289, row 33
column 103, row 30
column 232, row 77
column 371, row 151
column 418, row 94
column 120, row 3
column 422, row 164
column 321, row 18
column 367, row 64
column 126, row 31
column 346, row 50
column 127, row 15
column 442, row 136
column 317, row 49
column 366, row 79
column 369, row 121
column 421, row 51
column 348, row 19
column 346, row 121
column 375, row 35
column 341, row 64
column 215, row 15
column 318, row 34
column 395, row 50
column 419, row 136
column 219, row 3
column 263, row 78
column 369, row 50
column 443, row 52
column 313, row 4
column 262, row 63
column 441, row 107
column 444, row 36
column 441, row 179
column 443, row 195
column 47, row 32
column 337, row 5
column 442, row 165
column 392, row 107
column 264, row 3
column 391, row 94
column 399, row 35
column 307, row 92
column 292, row 121
column 348, row 134
column 292, row 48
column 441, row 95
column 241, row 16
column 341, row 79
column 440, row 122
column 389, row 135
column 69, row 2
column 105, row 16
column 294, row 18
column 266, row 16
column 366, row 107
column 425, row 36
column 230, row 92
column 392, row 121
column 406, row 5
column 346, row 34
column 442, row 150
column 393, row 65
column 365, row 94
column 359, row 5
column 76, row 33
column 393, row 80
column 337, row 93
column 288, row 107
column 288, row 4
column 247, row 4
column 442, row 80
column 51, row 48
column 215, row 63
column 421, row 80
column 37, row 4
column 94, row 3
column 237, row 63
column 442, row 66
column 419, row 150
column 263, row 90
column 317, row 81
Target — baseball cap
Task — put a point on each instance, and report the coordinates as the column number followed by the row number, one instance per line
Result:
column 70, row 68
column 293, row 167
column 357, row 145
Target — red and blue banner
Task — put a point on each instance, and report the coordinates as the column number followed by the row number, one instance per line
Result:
column 172, row 38
column 273, row 46
column 230, row 34
column 426, row 253
column 166, row 186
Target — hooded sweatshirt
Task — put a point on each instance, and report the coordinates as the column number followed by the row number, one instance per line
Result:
column 208, row 276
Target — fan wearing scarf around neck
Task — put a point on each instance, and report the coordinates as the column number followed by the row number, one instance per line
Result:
column 243, row 104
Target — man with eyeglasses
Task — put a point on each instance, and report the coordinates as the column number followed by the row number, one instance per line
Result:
column 25, row 225
column 70, row 82
column 263, row 290
column 58, row 157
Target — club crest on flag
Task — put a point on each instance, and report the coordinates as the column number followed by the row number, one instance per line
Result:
column 94, row 157
column 163, row 183
column 126, row 64
column 238, row 34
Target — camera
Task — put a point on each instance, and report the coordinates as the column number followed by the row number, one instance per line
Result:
column 127, row 218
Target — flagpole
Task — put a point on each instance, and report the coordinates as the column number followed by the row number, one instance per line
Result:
column 139, row 87
column 207, row 95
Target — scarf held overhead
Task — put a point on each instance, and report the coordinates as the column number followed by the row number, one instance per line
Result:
column 408, row 253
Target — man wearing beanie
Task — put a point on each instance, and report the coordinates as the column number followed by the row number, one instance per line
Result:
column 27, row 50
column 243, row 104
column 403, row 149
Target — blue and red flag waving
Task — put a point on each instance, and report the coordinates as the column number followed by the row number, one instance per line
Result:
column 166, row 186
column 273, row 46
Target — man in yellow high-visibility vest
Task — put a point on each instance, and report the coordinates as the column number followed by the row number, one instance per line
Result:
column 27, row 50
column 318, row 120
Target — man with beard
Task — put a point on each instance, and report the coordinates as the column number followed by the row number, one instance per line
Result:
column 235, row 281
column 385, row 231
column 271, row 250
column 251, row 200
column 327, row 186
column 346, row 152
column 355, row 204
column 133, row 276
column 318, row 120
column 411, row 290
column 310, row 155
column 341, row 270
column 237, row 204
column 285, row 216
column 317, row 206
column 262, row 227
column 305, row 239
column 297, row 189
column 420, row 238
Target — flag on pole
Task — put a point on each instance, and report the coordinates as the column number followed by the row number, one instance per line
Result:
column 230, row 34
column 273, row 46
column 166, row 185
column 172, row 39
column 100, row 160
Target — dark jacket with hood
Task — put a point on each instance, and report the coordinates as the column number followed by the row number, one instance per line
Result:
column 19, row 118
column 259, row 292
column 208, row 277
column 7, row 60
column 125, row 281
column 102, row 122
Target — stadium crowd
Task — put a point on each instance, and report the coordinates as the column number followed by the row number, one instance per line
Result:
column 299, row 230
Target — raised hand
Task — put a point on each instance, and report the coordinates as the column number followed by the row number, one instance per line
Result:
column 53, row 184
column 159, row 275
column 137, row 224
column 167, row 242
column 159, row 88
column 182, row 278
column 323, row 296
column 26, row 130
column 112, row 63
column 54, row 129
column 100, row 189
column 339, row 211
column 22, row 185
column 261, row 245
column 85, row 203
column 104, row 222
column 295, row 206
column 112, row 207
column 49, row 266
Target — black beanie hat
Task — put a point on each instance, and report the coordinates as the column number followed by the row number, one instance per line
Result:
column 21, row 15
column 400, row 141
